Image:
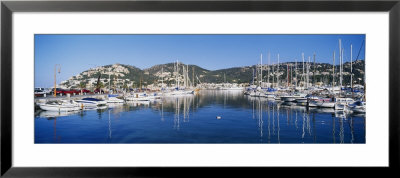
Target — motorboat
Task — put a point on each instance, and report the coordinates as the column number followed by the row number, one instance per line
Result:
column 342, row 103
column 288, row 98
column 304, row 100
column 114, row 99
column 60, row 106
column 292, row 97
column 322, row 102
column 270, row 95
column 137, row 97
column 91, row 103
column 358, row 107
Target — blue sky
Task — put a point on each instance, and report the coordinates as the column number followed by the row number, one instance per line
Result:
column 76, row 53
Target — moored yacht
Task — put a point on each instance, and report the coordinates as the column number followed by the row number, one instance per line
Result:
column 358, row 107
column 60, row 106
column 91, row 103
column 114, row 99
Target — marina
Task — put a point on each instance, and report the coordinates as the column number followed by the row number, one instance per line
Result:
column 277, row 100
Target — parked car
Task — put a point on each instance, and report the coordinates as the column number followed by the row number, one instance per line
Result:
column 65, row 92
column 58, row 91
column 98, row 90
column 39, row 92
column 85, row 91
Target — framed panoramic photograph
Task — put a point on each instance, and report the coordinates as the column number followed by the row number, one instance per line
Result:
column 203, row 98
column 103, row 88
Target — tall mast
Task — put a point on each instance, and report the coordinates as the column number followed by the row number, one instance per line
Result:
column 341, row 72
column 256, row 75
column 269, row 58
column 109, row 80
column 55, row 80
column 295, row 72
column 252, row 82
column 184, row 76
column 273, row 77
column 314, row 71
column 177, row 72
column 291, row 75
column 303, row 76
column 277, row 76
column 287, row 74
column 261, row 69
column 340, row 62
column 176, row 80
column 333, row 74
column 193, row 76
column 187, row 74
column 351, row 66
column 308, row 71
column 162, row 78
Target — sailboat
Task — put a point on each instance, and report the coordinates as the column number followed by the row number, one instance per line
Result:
column 178, row 91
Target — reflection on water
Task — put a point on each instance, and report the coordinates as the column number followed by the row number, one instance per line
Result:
column 213, row 116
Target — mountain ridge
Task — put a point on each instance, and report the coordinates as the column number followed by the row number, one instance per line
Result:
column 129, row 76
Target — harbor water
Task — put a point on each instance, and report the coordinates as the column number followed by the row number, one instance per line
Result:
column 211, row 116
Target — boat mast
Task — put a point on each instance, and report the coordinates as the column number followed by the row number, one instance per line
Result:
column 333, row 74
column 277, row 75
column 187, row 74
column 184, row 75
column 295, row 72
column 261, row 69
column 314, row 71
column 291, row 75
column 177, row 72
column 308, row 71
column 193, row 76
column 55, row 78
column 269, row 58
column 340, row 63
column 257, row 74
column 252, row 82
column 176, row 80
column 303, row 76
column 273, row 77
column 287, row 74
column 162, row 78
column 351, row 67
column 341, row 74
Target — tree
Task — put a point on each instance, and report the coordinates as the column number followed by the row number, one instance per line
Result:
column 82, row 86
column 125, row 86
column 101, row 85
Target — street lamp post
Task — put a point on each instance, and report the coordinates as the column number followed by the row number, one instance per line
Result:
column 55, row 79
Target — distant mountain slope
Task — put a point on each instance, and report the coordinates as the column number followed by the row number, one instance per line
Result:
column 129, row 76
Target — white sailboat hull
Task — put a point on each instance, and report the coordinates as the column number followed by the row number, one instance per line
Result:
column 59, row 108
column 114, row 100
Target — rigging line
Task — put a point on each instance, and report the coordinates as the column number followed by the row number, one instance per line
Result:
column 362, row 44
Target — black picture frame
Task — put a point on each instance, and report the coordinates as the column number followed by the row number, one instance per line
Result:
column 8, row 7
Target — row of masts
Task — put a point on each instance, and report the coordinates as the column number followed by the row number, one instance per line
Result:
column 306, row 69
column 187, row 83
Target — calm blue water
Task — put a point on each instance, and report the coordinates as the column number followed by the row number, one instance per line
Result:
column 193, row 119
